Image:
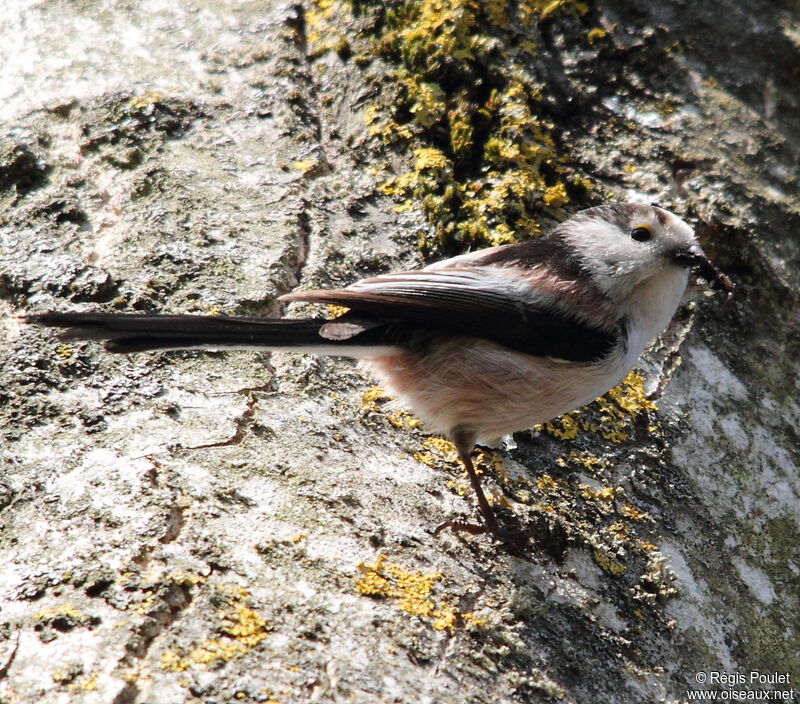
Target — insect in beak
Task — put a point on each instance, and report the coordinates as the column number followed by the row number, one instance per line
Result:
column 693, row 257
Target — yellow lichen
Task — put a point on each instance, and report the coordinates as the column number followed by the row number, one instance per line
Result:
column 497, row 11
column 619, row 530
column 319, row 35
column 547, row 483
column 140, row 102
column 609, row 563
column 471, row 618
column 373, row 399
column 563, row 428
column 445, row 618
column 586, row 460
column 460, row 488
column 630, row 511
column 440, row 453
column 484, row 459
column 145, row 605
column 606, row 493
column 412, row 592
column 545, row 8
column 611, row 416
column 630, row 395
column 595, row 34
column 403, row 419
column 429, row 105
column 305, row 165
column 334, row 311
column 66, row 673
column 371, row 114
column 370, row 397
column 61, row 611
column 436, row 451
column 88, row 683
column 429, row 158
column 240, row 626
column 555, row 195
column 244, row 624
column 645, row 545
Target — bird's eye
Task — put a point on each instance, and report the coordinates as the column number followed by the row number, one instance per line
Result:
column 641, row 233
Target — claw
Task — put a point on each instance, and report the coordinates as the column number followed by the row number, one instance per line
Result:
column 512, row 538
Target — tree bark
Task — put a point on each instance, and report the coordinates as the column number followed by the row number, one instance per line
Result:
column 235, row 526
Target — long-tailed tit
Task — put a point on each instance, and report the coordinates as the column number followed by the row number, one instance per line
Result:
column 482, row 344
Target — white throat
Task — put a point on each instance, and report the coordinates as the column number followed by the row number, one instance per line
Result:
column 651, row 305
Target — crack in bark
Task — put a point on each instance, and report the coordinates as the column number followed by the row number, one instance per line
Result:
column 9, row 659
column 127, row 695
column 298, row 25
column 243, row 422
column 175, row 522
column 302, row 241
column 167, row 608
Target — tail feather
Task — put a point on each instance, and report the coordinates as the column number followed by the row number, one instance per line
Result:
column 131, row 332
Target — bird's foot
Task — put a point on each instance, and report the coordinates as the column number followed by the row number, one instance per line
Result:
column 461, row 527
column 518, row 538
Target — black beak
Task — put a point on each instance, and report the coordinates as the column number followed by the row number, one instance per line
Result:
column 690, row 256
column 694, row 257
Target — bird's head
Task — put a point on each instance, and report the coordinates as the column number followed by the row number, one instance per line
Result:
column 623, row 246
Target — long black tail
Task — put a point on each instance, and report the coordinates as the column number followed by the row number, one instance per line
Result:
column 131, row 332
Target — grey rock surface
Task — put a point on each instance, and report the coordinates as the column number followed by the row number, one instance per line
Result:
column 219, row 527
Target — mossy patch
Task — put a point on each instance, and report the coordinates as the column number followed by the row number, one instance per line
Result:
column 484, row 160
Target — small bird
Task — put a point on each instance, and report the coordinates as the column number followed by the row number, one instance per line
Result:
column 480, row 345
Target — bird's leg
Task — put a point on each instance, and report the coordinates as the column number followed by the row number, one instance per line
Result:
column 465, row 442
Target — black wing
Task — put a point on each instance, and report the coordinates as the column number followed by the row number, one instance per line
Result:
column 483, row 302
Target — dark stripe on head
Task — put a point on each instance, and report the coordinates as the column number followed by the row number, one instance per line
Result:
column 620, row 214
